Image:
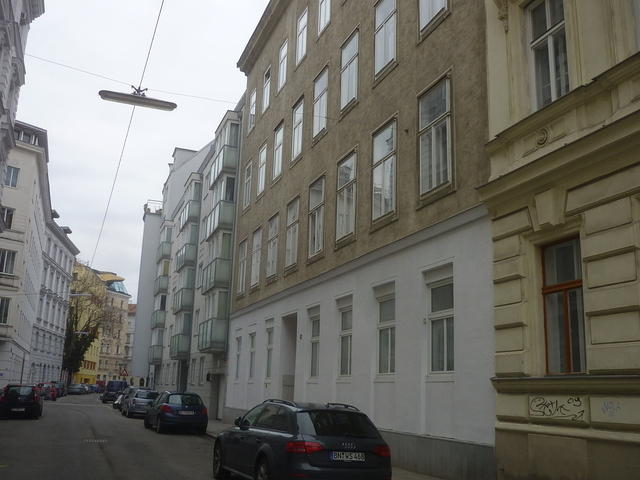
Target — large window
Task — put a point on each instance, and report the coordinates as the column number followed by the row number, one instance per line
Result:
column 255, row 257
column 252, row 109
column 7, row 216
column 429, row 9
column 266, row 89
column 4, row 309
column 252, row 355
column 296, row 137
column 563, row 307
column 11, row 176
column 320, row 86
column 272, row 246
column 291, row 246
column 7, row 261
column 316, row 217
column 385, row 36
column 384, row 158
column 242, row 266
column 269, row 351
column 435, row 125
column 262, row 169
column 387, row 336
column 346, row 326
column 549, row 49
column 282, row 65
column 301, row 37
column 346, row 197
column 349, row 71
column 324, row 14
column 246, row 191
column 278, row 141
column 315, row 343
column 441, row 321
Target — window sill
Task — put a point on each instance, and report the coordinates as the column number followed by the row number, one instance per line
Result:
column 259, row 196
column 345, row 380
column 316, row 257
column 313, row 381
column 433, row 24
column 383, row 221
column 276, row 180
column 290, row 269
column 254, row 288
column 319, row 136
column 435, row 195
column 344, row 241
column 385, row 378
column 353, row 103
column 246, row 209
column 294, row 161
column 444, row 377
column 272, row 279
column 384, row 73
column 299, row 62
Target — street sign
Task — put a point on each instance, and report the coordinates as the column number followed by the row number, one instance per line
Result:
column 124, row 373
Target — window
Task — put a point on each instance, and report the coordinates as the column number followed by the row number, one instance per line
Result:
column 316, row 216
column 291, row 246
column 301, row 37
column 7, row 261
column 324, row 14
column 435, row 127
column 278, row 140
column 549, row 49
column 346, row 325
column 563, row 307
column 320, row 86
column 269, row 351
column 387, row 336
column 7, row 216
column 346, row 197
column 238, row 352
column 255, row 257
column 246, row 192
column 296, row 137
column 252, row 109
column 242, row 266
column 441, row 321
column 385, row 36
column 272, row 246
column 200, row 371
column 252, row 354
column 4, row 310
column 315, row 343
column 282, row 65
column 349, row 71
column 11, row 176
column 384, row 158
column 429, row 9
column 262, row 169
column 266, row 90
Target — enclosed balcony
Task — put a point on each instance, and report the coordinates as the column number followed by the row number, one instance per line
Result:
column 186, row 256
column 225, row 161
column 220, row 217
column 189, row 213
column 158, row 319
column 155, row 354
column 216, row 274
column 164, row 251
column 180, row 347
column 183, row 300
column 161, row 285
column 212, row 335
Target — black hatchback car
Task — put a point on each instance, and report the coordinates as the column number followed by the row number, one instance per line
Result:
column 24, row 400
column 283, row 440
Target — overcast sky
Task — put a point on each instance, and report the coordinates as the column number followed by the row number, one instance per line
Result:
column 195, row 52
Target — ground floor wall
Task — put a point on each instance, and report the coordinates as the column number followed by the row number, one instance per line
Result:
column 421, row 373
column 14, row 363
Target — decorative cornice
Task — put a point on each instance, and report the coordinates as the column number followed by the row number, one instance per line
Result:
column 570, row 384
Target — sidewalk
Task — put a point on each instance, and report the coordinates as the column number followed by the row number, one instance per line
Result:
column 214, row 428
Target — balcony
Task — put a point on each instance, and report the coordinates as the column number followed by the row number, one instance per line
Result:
column 155, row 354
column 164, row 251
column 161, row 285
column 225, row 161
column 220, row 217
column 189, row 213
column 186, row 256
column 212, row 335
column 179, row 348
column 183, row 300
column 158, row 319
column 216, row 274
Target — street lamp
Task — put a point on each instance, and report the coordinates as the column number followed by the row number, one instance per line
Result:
column 137, row 98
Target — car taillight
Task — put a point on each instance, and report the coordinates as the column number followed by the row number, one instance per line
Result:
column 205, row 411
column 166, row 409
column 36, row 398
column 303, row 447
column 382, row 450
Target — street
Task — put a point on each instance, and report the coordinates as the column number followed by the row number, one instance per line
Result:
column 79, row 437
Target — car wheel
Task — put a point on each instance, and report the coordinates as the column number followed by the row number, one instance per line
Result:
column 160, row 428
column 128, row 414
column 122, row 412
column 263, row 472
column 218, row 471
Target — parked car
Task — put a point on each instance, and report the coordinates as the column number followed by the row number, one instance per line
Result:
column 281, row 439
column 113, row 389
column 138, row 402
column 94, row 388
column 24, row 400
column 48, row 391
column 75, row 389
column 61, row 388
column 121, row 396
column 86, row 388
column 175, row 409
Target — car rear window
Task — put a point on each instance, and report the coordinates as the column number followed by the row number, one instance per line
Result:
column 334, row 423
column 184, row 400
column 146, row 394
column 20, row 390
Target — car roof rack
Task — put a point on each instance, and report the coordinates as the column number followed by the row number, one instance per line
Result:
column 277, row 400
column 342, row 405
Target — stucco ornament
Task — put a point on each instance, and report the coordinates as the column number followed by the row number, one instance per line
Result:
column 503, row 13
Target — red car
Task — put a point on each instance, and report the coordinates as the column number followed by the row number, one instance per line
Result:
column 49, row 391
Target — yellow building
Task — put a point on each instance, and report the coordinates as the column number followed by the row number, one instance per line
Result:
column 89, row 369
column 564, row 127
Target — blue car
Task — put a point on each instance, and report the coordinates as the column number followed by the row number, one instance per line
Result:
column 177, row 410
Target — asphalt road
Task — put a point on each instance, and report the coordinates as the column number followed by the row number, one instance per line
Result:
column 79, row 438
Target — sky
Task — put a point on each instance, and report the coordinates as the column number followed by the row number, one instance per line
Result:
column 197, row 46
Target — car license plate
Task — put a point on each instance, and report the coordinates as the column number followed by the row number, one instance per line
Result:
column 347, row 456
column 186, row 412
column 18, row 409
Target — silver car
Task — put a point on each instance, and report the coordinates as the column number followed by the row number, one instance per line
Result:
column 138, row 402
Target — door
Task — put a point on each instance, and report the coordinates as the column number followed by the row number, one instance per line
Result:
column 288, row 358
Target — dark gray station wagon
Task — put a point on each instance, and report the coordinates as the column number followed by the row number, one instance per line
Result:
column 284, row 440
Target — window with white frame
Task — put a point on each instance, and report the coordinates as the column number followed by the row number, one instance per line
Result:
column 291, row 243
column 346, row 331
column 252, row 109
column 192, row 379
column 252, row 355
column 201, row 371
column 238, row 354
column 320, row 87
column 429, row 9
column 385, row 36
column 549, row 50
column 269, row 352
column 383, row 179
column 242, row 266
column 266, row 89
column 246, row 191
column 301, row 37
column 314, row 319
column 387, row 335
column 316, row 216
column 441, row 323
column 346, row 197
column 7, row 261
column 4, row 309
column 434, row 137
column 262, row 169
column 349, row 71
column 282, row 65
column 7, row 216
column 272, row 245
column 278, row 142
column 11, row 176
column 296, row 135
column 255, row 257
column 324, row 14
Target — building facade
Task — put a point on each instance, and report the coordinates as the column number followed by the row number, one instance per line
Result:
column 362, row 248
column 88, row 372
column 563, row 196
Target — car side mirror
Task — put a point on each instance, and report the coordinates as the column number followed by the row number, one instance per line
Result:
column 237, row 421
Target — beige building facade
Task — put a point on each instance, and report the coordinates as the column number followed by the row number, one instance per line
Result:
column 564, row 131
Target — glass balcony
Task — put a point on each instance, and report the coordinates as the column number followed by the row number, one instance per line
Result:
column 179, row 348
column 212, row 335
column 216, row 274
column 155, row 354
column 225, row 161
column 189, row 213
column 186, row 256
column 220, row 217
column 158, row 318
column 183, row 300
column 161, row 285
column 164, row 251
